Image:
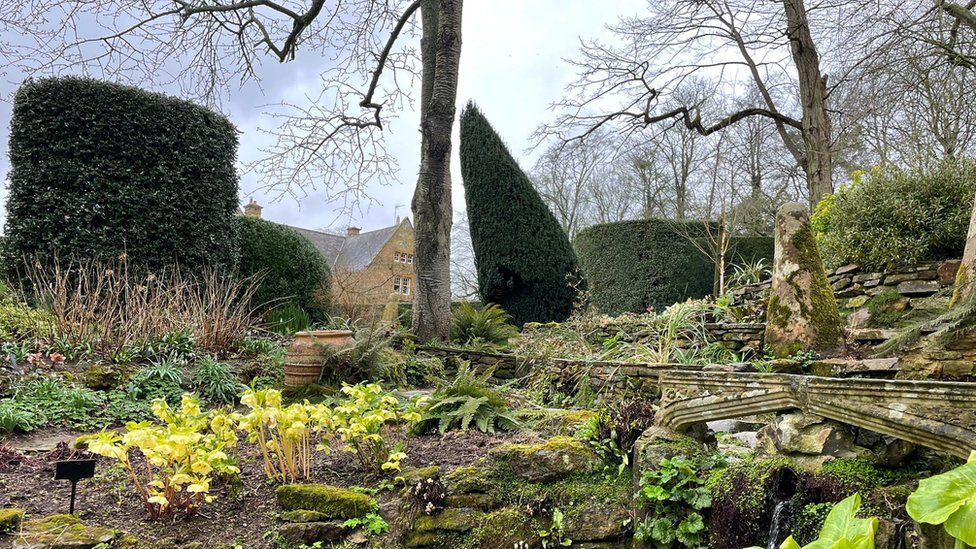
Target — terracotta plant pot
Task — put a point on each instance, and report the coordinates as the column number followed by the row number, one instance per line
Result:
column 307, row 354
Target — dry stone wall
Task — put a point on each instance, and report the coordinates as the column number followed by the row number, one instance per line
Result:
column 854, row 287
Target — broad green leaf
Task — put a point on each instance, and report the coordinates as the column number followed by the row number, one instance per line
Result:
column 948, row 499
column 842, row 529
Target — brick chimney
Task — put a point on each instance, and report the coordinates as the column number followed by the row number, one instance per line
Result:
column 252, row 209
column 352, row 231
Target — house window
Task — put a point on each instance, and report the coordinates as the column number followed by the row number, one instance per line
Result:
column 400, row 257
column 401, row 285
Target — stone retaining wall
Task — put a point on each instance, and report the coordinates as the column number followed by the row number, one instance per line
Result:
column 854, row 287
column 618, row 379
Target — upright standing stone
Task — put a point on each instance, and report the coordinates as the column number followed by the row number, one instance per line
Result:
column 963, row 289
column 802, row 312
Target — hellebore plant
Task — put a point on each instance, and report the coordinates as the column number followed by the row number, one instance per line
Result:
column 183, row 455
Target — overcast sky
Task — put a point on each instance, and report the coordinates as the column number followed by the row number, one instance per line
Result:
column 511, row 65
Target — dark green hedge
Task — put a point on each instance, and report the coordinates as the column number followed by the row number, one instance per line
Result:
column 99, row 169
column 292, row 269
column 524, row 259
column 749, row 250
column 634, row 265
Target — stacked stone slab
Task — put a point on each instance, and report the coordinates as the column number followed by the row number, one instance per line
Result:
column 802, row 312
column 853, row 287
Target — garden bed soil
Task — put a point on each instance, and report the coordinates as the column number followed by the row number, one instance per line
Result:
column 244, row 514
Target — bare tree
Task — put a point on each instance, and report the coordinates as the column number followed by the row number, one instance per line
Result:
column 768, row 47
column 564, row 173
column 203, row 45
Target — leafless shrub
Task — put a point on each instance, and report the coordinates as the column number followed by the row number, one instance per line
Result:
column 110, row 307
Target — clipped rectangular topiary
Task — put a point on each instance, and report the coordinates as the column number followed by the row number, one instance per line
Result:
column 633, row 265
column 99, row 170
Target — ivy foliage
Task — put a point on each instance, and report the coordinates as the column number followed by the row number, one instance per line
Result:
column 524, row 259
column 99, row 170
column 292, row 270
column 890, row 217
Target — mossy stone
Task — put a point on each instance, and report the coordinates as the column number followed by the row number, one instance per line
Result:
column 62, row 532
column 558, row 457
column 303, row 515
column 802, row 311
column 331, row 501
column 101, row 377
column 483, row 502
column 10, row 519
column 469, row 479
column 453, row 519
column 435, row 539
column 413, row 475
column 504, row 529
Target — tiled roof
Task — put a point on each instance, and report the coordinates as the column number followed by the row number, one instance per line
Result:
column 354, row 252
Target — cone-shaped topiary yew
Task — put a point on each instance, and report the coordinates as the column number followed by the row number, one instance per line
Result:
column 524, row 259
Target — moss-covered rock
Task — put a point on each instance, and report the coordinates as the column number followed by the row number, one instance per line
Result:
column 448, row 528
column 331, row 501
column 470, row 479
column 101, row 377
column 62, row 532
column 303, row 515
column 10, row 519
column 558, row 457
column 412, row 475
column 597, row 520
column 802, row 311
column 504, row 529
column 309, row 533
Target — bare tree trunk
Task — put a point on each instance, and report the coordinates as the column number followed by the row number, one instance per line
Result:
column 441, row 55
column 813, row 99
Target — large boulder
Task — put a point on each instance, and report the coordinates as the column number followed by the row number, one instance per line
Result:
column 558, row 457
column 802, row 311
column 809, row 439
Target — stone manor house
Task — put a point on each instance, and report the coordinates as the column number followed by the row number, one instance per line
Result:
column 369, row 269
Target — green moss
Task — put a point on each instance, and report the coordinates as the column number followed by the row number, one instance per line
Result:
column 503, row 529
column 809, row 520
column 474, row 501
column 556, row 458
column 10, row 519
column 745, row 482
column 962, row 280
column 470, row 479
column 303, row 515
column 884, row 310
column 412, row 475
column 101, row 377
column 331, row 501
column 435, row 539
column 64, row 530
column 451, row 520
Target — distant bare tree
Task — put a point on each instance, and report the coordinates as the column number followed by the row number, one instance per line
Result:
column 204, row 45
column 769, row 47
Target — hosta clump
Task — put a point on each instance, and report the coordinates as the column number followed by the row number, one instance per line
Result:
column 467, row 401
column 367, row 424
column 285, row 434
column 183, row 456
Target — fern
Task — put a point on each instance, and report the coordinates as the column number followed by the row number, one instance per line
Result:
column 461, row 412
column 486, row 328
column 467, row 400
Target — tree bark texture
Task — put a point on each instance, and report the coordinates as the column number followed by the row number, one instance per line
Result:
column 813, row 99
column 441, row 55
